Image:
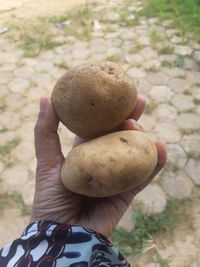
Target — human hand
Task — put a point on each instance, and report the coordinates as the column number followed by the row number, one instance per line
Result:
column 52, row 201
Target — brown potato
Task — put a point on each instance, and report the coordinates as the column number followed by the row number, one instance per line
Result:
column 110, row 164
column 92, row 99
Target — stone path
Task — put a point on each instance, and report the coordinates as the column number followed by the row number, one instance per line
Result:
column 165, row 67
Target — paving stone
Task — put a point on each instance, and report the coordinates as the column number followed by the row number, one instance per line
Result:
column 24, row 152
column 176, row 40
column 171, row 32
column 44, row 66
column 28, row 192
column 15, row 101
column 134, row 59
column 177, row 185
column 165, row 112
column 98, row 48
column 183, row 50
column 148, row 122
column 35, row 93
column 19, row 85
column 6, row 137
column 127, row 222
column 153, row 199
column 143, row 86
column 178, row 85
column 193, row 77
column 1, row 167
column 136, row 73
column 175, row 72
column 183, row 102
column 196, row 56
column 26, row 130
column 5, row 77
column 32, row 167
column 198, row 110
column 148, row 53
column 151, row 64
column 112, row 51
column 190, row 64
column 30, row 112
column 112, row 16
column 168, row 58
column 3, row 90
column 80, row 53
column 7, row 231
column 24, row 72
column 144, row 40
column 128, row 35
column 167, row 132
column 161, row 93
column 7, row 67
column 191, row 144
column 63, row 49
column 9, row 120
column 157, row 78
column 15, row 178
column 42, row 80
column 193, row 170
column 188, row 121
column 176, row 155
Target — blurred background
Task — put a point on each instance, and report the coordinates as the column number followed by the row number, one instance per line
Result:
column 158, row 43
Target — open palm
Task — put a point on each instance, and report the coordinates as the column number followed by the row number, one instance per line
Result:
column 54, row 202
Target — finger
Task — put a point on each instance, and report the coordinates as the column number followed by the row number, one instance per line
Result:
column 131, row 124
column 47, row 143
column 162, row 159
column 139, row 108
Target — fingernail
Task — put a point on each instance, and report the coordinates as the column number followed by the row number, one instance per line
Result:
column 162, row 143
column 136, row 125
column 43, row 103
column 143, row 97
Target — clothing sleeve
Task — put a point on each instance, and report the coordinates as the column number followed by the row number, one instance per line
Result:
column 50, row 244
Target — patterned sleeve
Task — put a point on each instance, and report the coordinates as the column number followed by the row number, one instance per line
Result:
column 50, row 244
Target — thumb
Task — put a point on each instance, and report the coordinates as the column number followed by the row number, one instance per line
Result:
column 47, row 142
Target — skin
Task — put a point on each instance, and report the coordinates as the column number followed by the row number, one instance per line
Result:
column 52, row 201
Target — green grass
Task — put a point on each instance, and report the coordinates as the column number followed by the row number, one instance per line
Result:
column 113, row 58
column 13, row 199
column 82, row 22
column 166, row 50
column 150, row 107
column 140, row 239
column 185, row 14
column 5, row 151
column 62, row 65
column 155, row 38
column 177, row 63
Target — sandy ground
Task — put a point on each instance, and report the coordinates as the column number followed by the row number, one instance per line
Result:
column 25, row 9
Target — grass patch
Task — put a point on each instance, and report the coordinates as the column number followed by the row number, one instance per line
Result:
column 196, row 85
column 139, row 240
column 150, row 107
column 62, row 65
column 40, row 35
column 177, row 63
column 81, row 22
column 113, row 58
column 171, row 167
column 5, row 151
column 166, row 50
column 185, row 14
column 14, row 199
column 155, row 38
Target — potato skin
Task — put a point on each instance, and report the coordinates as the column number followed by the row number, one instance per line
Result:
column 110, row 164
column 92, row 99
